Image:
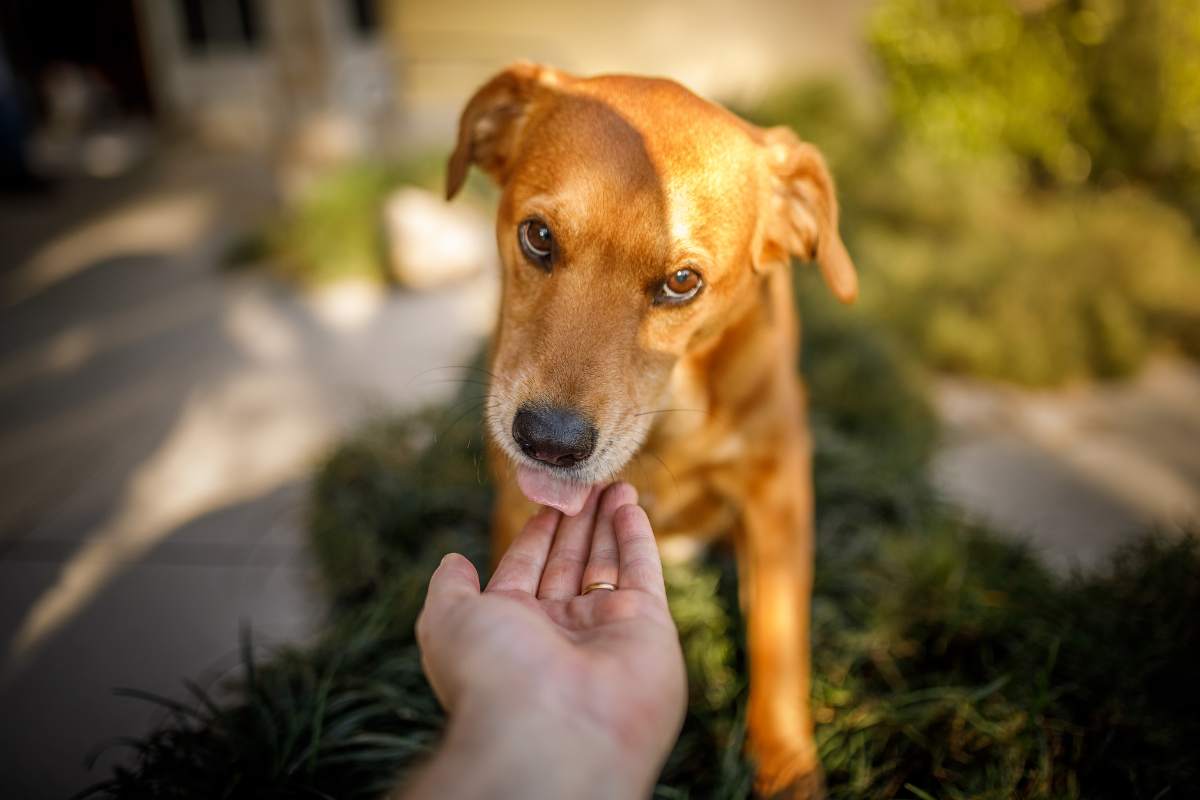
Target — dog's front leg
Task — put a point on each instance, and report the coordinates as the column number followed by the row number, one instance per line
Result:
column 509, row 514
column 775, row 562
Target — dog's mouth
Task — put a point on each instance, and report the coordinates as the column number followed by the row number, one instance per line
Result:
column 560, row 453
column 544, row 488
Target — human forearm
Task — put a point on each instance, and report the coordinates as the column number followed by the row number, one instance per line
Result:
column 529, row 754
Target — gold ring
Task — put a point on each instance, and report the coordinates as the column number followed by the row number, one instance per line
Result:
column 608, row 587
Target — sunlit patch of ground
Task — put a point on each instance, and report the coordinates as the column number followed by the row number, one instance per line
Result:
column 1076, row 471
column 160, row 417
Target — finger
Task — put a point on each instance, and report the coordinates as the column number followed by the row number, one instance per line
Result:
column 569, row 554
column 520, row 570
column 603, row 562
column 454, row 576
column 454, row 579
column 640, row 566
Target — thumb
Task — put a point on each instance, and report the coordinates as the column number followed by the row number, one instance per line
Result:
column 454, row 578
column 453, row 581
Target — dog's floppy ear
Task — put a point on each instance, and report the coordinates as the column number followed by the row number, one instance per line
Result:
column 491, row 123
column 803, row 217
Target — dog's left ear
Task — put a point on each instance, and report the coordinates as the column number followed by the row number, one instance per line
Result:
column 803, row 215
column 491, row 123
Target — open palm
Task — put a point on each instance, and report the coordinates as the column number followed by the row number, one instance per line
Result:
column 607, row 665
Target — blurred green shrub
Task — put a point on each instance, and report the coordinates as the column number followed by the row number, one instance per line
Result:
column 984, row 273
column 1100, row 90
column 333, row 230
column 1038, row 288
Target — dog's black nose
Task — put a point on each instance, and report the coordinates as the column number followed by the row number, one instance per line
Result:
column 557, row 436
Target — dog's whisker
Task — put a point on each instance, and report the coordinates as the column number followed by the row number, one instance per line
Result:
column 413, row 380
column 456, row 404
column 467, row 381
column 656, row 457
column 668, row 410
column 466, row 367
column 472, row 405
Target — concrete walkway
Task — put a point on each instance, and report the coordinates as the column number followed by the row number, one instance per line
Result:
column 1079, row 471
column 158, row 421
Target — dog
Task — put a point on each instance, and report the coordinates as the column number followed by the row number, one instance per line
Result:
column 646, row 237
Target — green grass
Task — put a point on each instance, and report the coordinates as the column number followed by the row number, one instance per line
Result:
column 948, row 662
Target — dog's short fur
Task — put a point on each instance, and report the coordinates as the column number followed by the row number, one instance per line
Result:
column 637, row 178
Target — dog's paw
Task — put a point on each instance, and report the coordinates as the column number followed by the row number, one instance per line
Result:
column 789, row 778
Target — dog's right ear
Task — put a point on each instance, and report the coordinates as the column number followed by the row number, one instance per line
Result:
column 491, row 123
column 804, row 218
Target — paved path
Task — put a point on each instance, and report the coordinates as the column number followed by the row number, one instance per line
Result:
column 158, row 421
column 1075, row 472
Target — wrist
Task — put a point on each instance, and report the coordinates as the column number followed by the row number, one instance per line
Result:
column 552, row 745
column 536, row 750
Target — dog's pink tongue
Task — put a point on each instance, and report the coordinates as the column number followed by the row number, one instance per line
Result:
column 542, row 487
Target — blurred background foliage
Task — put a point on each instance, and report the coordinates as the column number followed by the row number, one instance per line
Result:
column 1102, row 91
column 1025, row 206
column 332, row 231
column 1030, row 206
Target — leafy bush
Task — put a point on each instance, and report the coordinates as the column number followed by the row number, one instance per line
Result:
column 947, row 663
column 1101, row 89
column 1039, row 288
column 983, row 273
column 333, row 231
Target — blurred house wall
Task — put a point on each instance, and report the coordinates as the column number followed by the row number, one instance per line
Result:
column 269, row 73
column 312, row 86
column 728, row 50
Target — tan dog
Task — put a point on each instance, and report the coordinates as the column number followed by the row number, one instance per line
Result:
column 647, row 310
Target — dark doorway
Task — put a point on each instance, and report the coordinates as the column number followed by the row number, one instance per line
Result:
column 100, row 36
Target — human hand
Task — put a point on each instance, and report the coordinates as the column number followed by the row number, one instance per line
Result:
column 554, row 693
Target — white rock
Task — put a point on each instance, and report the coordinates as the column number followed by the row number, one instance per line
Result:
column 431, row 243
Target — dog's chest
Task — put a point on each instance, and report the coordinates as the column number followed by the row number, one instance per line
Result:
column 682, row 483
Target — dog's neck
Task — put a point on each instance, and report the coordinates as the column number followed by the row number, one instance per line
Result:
column 749, row 362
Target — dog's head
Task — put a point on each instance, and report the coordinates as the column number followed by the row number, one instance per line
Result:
column 636, row 222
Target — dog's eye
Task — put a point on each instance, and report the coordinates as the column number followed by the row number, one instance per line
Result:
column 680, row 287
column 537, row 242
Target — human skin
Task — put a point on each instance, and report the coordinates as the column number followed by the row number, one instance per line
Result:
column 552, row 693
